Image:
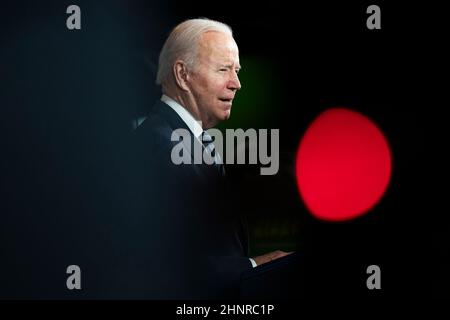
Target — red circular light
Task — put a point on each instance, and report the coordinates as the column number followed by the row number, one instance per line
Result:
column 343, row 165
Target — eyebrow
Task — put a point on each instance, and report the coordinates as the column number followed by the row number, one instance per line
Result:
column 229, row 66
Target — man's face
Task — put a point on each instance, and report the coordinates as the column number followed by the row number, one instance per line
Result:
column 214, row 80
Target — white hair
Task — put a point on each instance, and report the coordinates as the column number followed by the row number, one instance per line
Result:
column 182, row 43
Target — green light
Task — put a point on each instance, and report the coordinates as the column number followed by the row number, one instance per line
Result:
column 256, row 104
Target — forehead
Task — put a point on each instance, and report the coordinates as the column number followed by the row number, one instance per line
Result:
column 218, row 45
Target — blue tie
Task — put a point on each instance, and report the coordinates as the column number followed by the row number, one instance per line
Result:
column 209, row 146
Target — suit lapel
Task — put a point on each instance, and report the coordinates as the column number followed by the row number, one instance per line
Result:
column 175, row 122
column 204, row 171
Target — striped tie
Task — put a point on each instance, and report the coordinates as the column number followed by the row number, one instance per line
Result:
column 211, row 151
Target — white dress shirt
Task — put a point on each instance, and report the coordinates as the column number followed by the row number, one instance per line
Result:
column 193, row 125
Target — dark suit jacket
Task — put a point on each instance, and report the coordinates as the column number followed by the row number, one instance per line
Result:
column 182, row 240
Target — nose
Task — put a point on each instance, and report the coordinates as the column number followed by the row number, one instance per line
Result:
column 234, row 84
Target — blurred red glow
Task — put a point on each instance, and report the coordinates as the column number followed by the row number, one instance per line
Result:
column 343, row 165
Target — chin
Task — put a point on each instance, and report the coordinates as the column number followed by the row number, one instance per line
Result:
column 226, row 114
column 221, row 116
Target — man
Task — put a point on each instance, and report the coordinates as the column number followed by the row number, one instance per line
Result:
column 201, row 246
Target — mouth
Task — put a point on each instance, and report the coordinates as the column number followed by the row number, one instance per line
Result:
column 227, row 100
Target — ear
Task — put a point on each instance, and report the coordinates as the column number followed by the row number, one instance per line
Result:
column 181, row 74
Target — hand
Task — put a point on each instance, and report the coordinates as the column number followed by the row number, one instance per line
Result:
column 270, row 256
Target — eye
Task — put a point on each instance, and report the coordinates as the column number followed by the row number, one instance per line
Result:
column 223, row 69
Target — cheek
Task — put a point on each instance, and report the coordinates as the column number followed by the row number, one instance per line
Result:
column 211, row 87
column 218, row 87
column 212, row 91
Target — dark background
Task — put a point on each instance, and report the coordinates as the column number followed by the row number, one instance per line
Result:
column 68, row 98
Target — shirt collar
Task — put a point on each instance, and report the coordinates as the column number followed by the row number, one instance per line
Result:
column 185, row 115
